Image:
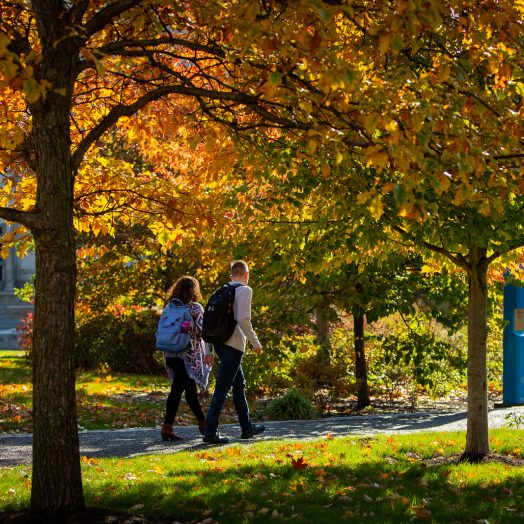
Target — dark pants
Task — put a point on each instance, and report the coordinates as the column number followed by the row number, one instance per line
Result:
column 230, row 376
column 181, row 382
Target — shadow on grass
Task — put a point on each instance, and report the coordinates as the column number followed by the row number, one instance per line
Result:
column 372, row 492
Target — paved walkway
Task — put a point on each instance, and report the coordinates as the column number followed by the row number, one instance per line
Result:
column 16, row 449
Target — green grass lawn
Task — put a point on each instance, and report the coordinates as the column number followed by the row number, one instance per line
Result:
column 105, row 400
column 355, row 479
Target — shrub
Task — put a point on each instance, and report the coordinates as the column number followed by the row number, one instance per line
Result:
column 310, row 374
column 123, row 343
column 25, row 334
column 294, row 405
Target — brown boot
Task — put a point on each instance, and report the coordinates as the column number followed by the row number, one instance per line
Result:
column 167, row 433
column 202, row 426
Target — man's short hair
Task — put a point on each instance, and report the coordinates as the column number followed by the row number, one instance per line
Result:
column 239, row 268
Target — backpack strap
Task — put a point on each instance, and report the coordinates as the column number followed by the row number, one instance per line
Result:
column 177, row 302
column 233, row 286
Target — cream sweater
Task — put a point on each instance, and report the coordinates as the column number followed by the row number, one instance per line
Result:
column 242, row 311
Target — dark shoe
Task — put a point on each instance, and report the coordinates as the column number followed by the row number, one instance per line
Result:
column 255, row 430
column 202, row 426
column 215, row 439
column 168, row 434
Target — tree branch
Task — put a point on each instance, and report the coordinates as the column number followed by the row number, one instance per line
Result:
column 29, row 219
column 509, row 157
column 478, row 99
column 78, row 10
column 511, row 247
column 120, row 111
column 459, row 260
column 117, row 47
column 108, row 13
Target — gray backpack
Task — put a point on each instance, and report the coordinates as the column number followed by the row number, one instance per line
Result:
column 174, row 327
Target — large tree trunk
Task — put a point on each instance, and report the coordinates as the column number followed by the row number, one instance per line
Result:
column 56, row 483
column 361, row 372
column 477, row 437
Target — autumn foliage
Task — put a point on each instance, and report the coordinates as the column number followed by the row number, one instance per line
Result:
column 381, row 121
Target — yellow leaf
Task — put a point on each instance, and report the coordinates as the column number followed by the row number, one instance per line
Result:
column 376, row 207
column 306, row 106
column 485, row 208
column 377, row 159
column 405, row 210
column 371, row 122
column 409, row 210
column 32, row 90
column 362, row 198
column 444, row 72
column 443, row 183
column 384, row 42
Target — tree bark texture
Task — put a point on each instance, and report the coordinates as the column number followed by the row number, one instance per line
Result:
column 322, row 317
column 56, row 482
column 477, row 437
column 361, row 372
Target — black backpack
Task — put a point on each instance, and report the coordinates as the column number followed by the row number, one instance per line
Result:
column 219, row 320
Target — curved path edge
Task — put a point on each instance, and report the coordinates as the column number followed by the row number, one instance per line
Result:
column 17, row 449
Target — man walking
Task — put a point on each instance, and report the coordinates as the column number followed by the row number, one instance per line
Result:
column 230, row 374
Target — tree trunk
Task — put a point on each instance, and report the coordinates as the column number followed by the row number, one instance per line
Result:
column 361, row 372
column 322, row 316
column 477, row 437
column 56, row 483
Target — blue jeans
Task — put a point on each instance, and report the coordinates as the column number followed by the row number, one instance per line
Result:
column 230, row 376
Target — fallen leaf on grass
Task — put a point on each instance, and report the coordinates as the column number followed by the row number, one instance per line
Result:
column 299, row 463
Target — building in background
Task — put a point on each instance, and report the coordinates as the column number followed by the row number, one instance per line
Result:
column 14, row 273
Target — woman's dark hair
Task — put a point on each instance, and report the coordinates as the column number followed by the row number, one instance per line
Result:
column 186, row 289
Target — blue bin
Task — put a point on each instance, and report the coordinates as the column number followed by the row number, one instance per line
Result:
column 513, row 344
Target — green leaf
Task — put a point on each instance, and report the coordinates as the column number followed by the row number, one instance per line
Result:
column 397, row 43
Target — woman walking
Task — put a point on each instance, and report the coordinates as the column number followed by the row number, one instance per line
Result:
column 189, row 367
